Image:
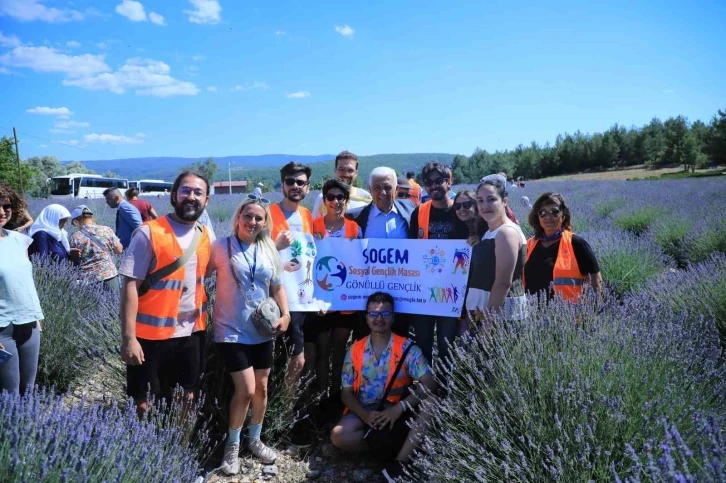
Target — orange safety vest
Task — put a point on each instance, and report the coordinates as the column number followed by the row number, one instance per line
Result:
column 424, row 213
column 351, row 227
column 566, row 277
column 279, row 222
column 402, row 382
column 156, row 318
column 414, row 192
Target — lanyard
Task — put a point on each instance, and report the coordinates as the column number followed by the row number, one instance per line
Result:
column 253, row 266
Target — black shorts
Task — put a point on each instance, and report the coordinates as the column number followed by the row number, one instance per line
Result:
column 293, row 338
column 238, row 357
column 167, row 363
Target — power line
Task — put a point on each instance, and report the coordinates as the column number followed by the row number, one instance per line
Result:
column 59, row 142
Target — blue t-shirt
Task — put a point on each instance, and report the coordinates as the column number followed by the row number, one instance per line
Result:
column 19, row 302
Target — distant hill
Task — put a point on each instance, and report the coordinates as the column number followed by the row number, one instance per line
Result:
column 168, row 167
column 261, row 168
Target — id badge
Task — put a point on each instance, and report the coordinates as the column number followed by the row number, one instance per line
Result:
column 256, row 295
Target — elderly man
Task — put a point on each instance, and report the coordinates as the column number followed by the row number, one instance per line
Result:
column 346, row 168
column 384, row 217
column 128, row 217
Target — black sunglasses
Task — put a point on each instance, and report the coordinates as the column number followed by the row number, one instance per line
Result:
column 464, row 204
column 7, row 207
column 437, row 181
column 403, row 195
column 332, row 197
column 374, row 314
column 552, row 211
column 262, row 200
column 293, row 181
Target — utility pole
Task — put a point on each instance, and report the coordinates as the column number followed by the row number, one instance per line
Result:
column 229, row 175
column 17, row 157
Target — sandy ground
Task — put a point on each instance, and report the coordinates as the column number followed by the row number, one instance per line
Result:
column 630, row 172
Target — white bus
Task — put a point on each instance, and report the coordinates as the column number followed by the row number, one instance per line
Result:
column 80, row 185
column 151, row 187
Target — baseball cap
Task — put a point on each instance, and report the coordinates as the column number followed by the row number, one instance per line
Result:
column 79, row 211
column 260, row 184
column 403, row 182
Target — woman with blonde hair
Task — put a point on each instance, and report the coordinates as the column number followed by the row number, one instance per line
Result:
column 248, row 273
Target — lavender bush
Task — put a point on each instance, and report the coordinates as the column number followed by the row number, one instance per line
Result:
column 43, row 440
column 569, row 394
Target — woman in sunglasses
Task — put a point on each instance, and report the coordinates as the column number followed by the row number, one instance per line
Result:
column 467, row 213
column 558, row 261
column 339, row 325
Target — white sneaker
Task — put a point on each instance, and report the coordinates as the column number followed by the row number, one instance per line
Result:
column 266, row 455
column 230, row 462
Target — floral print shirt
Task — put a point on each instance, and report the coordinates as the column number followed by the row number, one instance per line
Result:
column 95, row 260
column 375, row 371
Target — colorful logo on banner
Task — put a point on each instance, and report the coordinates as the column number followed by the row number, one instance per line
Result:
column 329, row 278
column 461, row 259
column 448, row 294
column 434, row 260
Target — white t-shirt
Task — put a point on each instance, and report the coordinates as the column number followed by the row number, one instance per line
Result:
column 139, row 260
column 358, row 199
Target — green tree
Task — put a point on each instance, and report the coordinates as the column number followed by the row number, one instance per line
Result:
column 208, row 168
column 77, row 167
column 45, row 167
column 9, row 166
column 716, row 140
column 110, row 174
column 676, row 129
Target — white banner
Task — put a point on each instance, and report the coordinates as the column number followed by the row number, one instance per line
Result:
column 298, row 275
column 426, row 277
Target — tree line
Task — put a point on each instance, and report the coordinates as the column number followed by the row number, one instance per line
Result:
column 673, row 142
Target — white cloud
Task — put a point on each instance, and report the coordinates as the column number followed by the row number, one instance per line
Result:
column 206, row 11
column 102, row 45
column 156, row 18
column 280, row 32
column 345, row 30
column 69, row 142
column 29, row 10
column 43, row 146
column 197, row 58
column 668, row 91
column 5, row 71
column 145, row 76
column 113, row 139
column 47, row 59
column 140, row 135
column 70, row 124
column 250, row 85
column 73, row 44
column 212, row 89
column 298, row 95
column 61, row 131
column 11, row 41
column 50, row 111
column 132, row 10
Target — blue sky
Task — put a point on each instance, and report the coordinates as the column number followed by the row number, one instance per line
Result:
column 96, row 79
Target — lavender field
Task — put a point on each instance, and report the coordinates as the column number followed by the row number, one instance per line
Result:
column 635, row 391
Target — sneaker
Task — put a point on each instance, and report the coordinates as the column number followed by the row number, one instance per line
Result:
column 393, row 471
column 230, row 462
column 265, row 454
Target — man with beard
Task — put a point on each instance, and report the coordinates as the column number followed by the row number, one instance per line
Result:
column 289, row 216
column 128, row 217
column 346, row 168
column 436, row 219
column 163, row 301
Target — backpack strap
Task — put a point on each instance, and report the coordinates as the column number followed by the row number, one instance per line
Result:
column 94, row 239
column 164, row 272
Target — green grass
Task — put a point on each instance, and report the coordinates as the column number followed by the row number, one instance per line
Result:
column 638, row 221
column 628, row 269
column 605, row 209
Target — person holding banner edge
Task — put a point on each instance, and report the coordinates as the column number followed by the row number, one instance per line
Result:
column 384, row 217
column 346, row 169
column 436, row 219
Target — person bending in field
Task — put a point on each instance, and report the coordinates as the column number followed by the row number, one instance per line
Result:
column 366, row 371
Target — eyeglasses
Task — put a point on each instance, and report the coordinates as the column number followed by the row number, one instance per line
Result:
column 437, row 181
column 7, row 207
column 552, row 211
column 332, row 197
column 464, row 204
column 403, row 195
column 186, row 191
column 262, row 200
column 374, row 314
column 293, row 181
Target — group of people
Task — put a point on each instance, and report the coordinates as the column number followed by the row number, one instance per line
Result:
column 167, row 258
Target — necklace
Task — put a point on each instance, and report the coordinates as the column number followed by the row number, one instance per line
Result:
column 555, row 236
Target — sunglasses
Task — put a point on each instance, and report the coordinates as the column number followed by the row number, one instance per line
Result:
column 437, row 181
column 464, row 204
column 262, row 200
column 7, row 207
column 552, row 211
column 186, row 191
column 403, row 195
column 293, row 181
column 332, row 197
column 374, row 314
